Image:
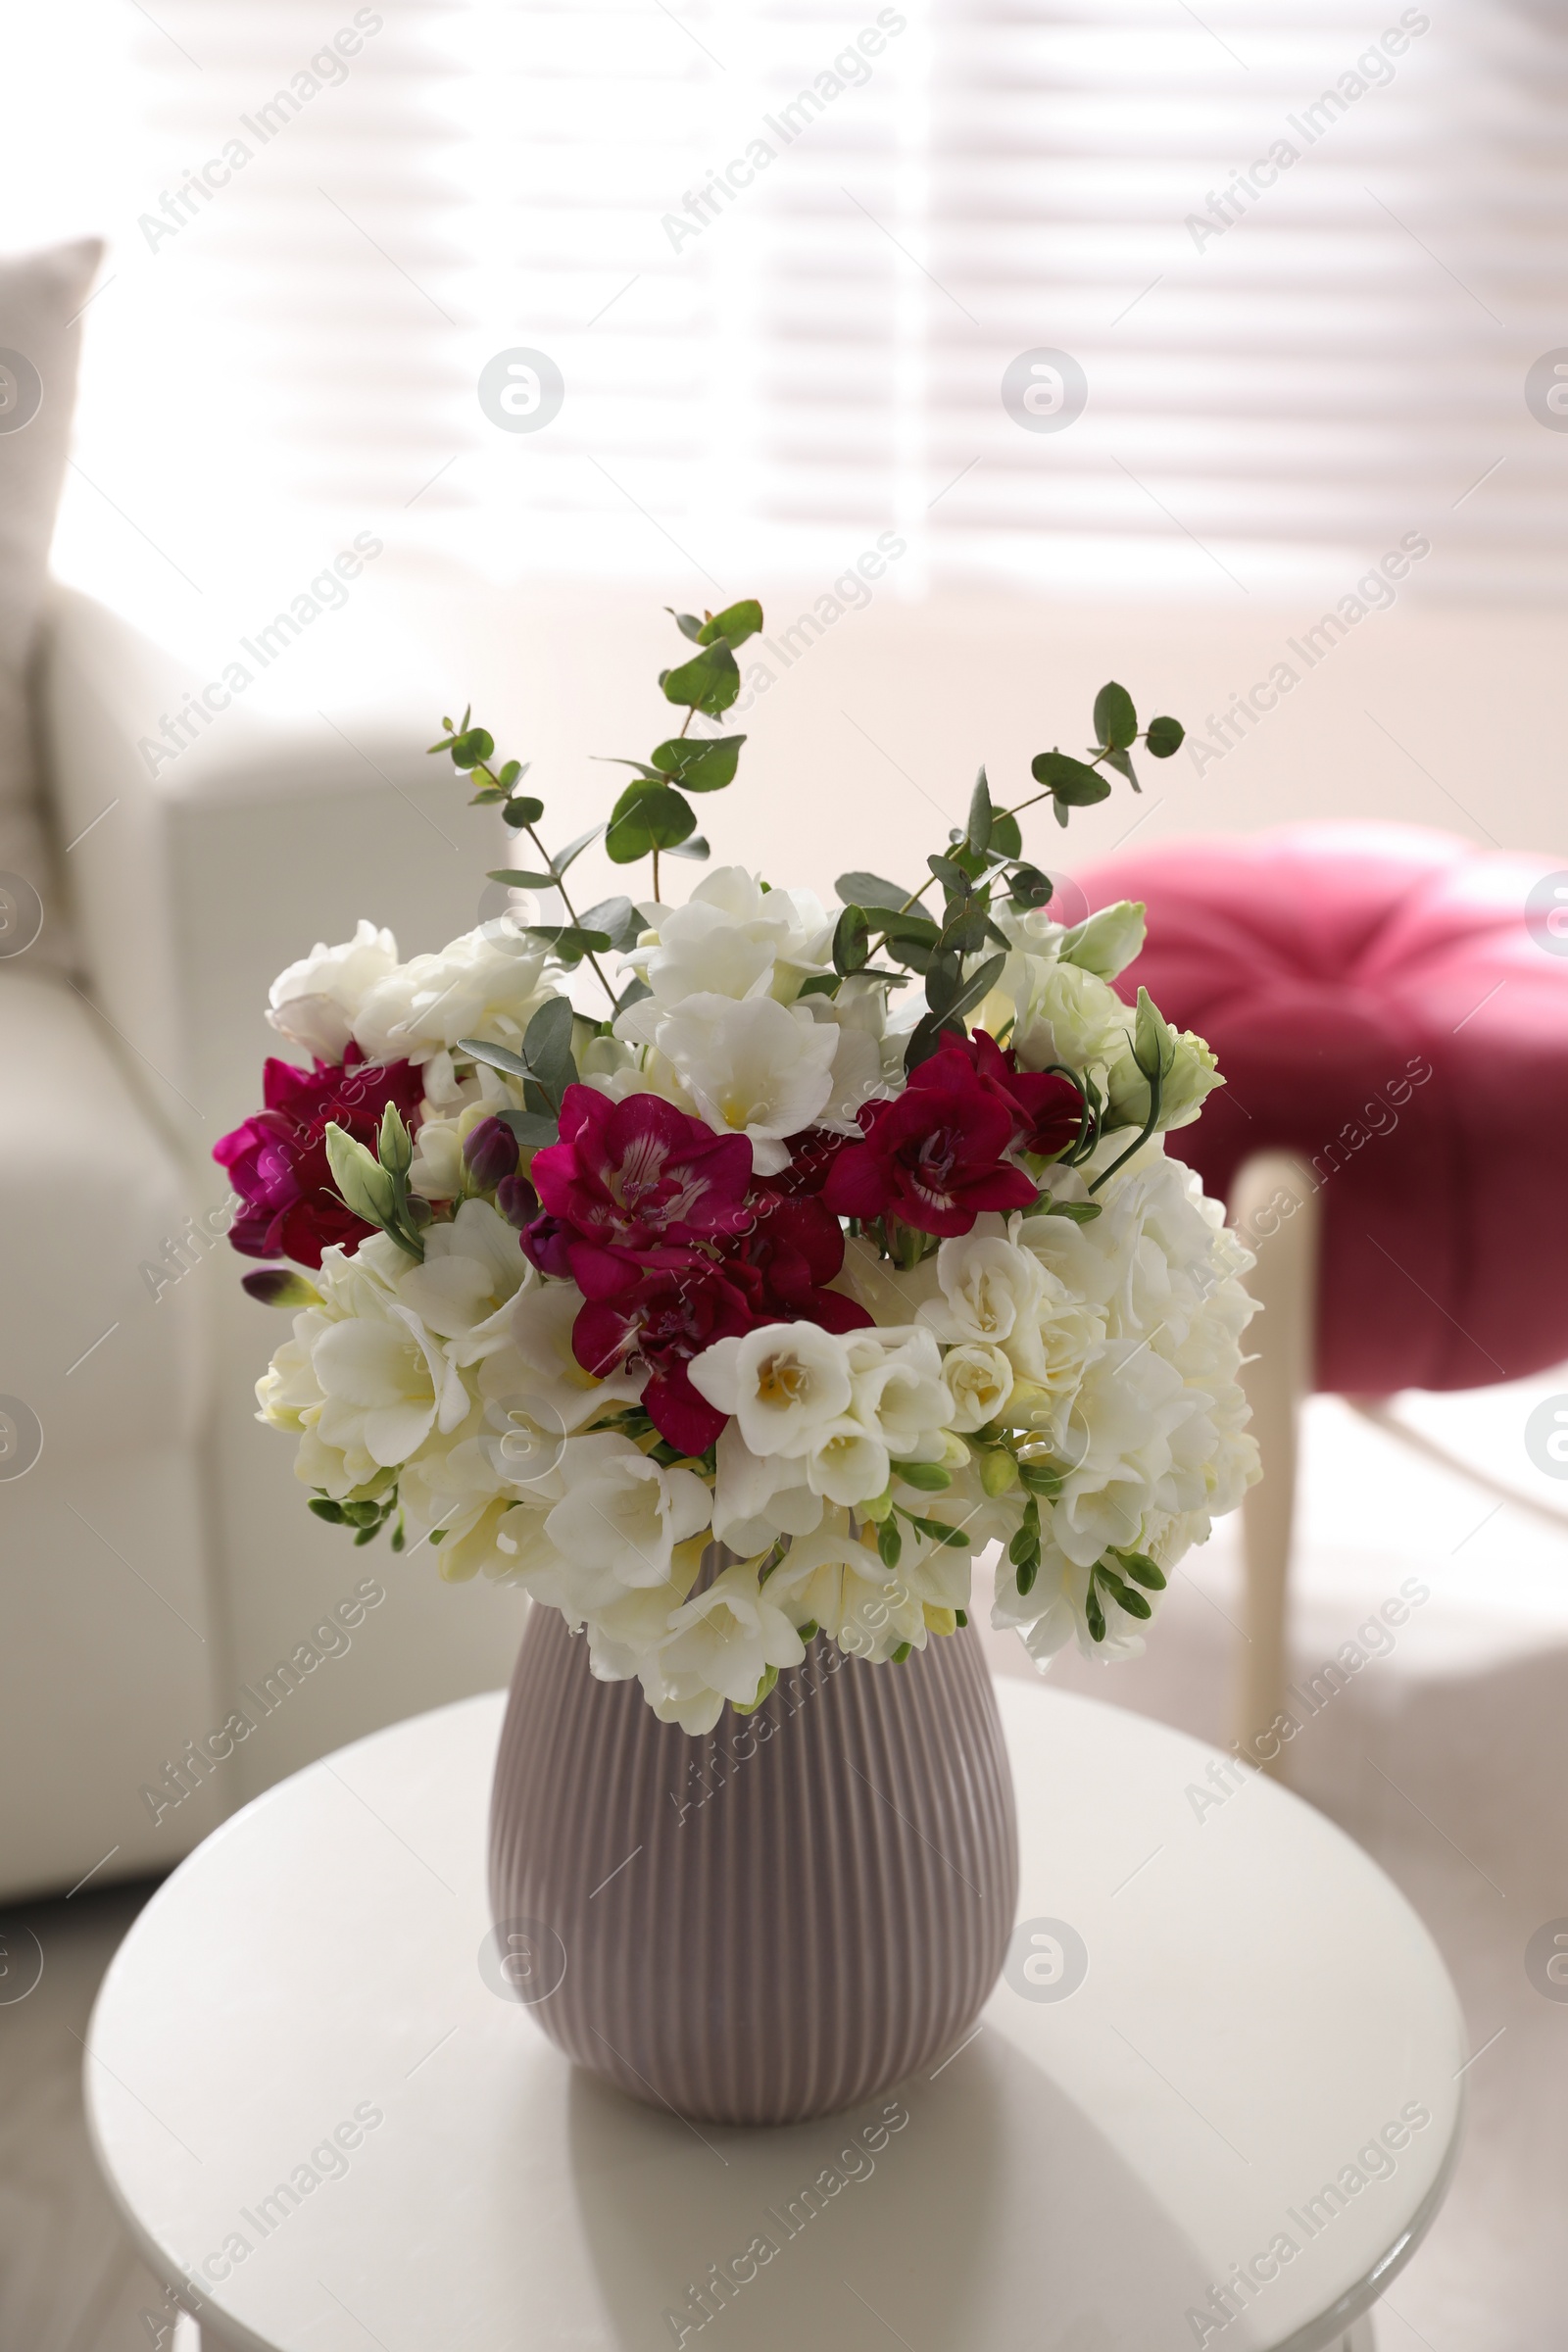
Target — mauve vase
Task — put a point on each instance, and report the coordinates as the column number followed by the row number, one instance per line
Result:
column 772, row 1922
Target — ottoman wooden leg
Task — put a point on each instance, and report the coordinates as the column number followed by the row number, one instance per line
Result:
column 1274, row 1207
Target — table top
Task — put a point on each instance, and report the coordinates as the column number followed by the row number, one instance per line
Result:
column 1219, row 2076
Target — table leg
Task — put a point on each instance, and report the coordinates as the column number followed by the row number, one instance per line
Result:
column 1274, row 1207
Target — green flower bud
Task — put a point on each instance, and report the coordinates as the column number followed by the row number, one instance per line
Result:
column 1188, row 1081
column 997, row 1472
column 395, row 1144
column 1106, row 942
column 363, row 1183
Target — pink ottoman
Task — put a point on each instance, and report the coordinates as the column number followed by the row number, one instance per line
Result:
column 1390, row 1007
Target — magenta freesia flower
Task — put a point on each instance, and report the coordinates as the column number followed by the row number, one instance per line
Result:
column 661, row 1322
column 1048, row 1108
column 276, row 1160
column 935, row 1156
column 634, row 1187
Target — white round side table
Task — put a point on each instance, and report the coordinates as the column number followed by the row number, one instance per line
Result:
column 1214, row 2100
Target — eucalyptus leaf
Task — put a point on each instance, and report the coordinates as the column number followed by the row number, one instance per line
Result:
column 708, row 682
column 648, row 817
column 570, row 941
column 851, row 941
column 869, row 889
column 531, row 1128
column 700, row 764
column 496, row 1058
column 1164, row 736
column 562, row 859
column 617, row 918
column 896, row 925
column 980, row 819
column 547, row 1044
column 981, row 981
column 552, row 1065
column 473, row 748
column 951, row 876
column 694, row 847
column 734, row 624
column 1072, row 784
column 943, row 980
column 519, row 878
column 1115, row 719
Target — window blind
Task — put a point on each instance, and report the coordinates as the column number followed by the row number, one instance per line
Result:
column 1276, row 276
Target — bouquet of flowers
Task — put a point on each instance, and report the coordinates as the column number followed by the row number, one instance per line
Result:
column 731, row 1273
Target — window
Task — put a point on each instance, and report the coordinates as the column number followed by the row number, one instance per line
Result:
column 1303, row 255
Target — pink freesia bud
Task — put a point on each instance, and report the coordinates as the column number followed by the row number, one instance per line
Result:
column 516, row 1200
column 490, row 1153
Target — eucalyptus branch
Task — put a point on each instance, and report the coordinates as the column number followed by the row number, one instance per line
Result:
column 565, row 901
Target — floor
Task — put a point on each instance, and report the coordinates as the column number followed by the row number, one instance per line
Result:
column 1447, row 1758
column 68, row 2280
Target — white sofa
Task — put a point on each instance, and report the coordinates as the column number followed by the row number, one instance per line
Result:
column 157, row 1563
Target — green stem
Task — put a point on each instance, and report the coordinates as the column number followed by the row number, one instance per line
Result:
column 572, row 910
column 1155, row 1084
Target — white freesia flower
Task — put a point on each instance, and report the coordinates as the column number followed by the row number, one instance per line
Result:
column 994, row 1294
column 536, row 1382
column 785, row 1383
column 730, row 936
column 494, row 1538
column 472, row 1268
column 858, row 1070
column 385, row 1384
column 979, row 1381
column 372, row 1377
column 315, row 1002
column 1055, row 1612
column 897, row 1389
column 623, row 1632
column 759, row 1497
column 621, row 1515
column 755, row 1067
column 1129, row 1407
column 488, row 984
column 719, row 1645
column 838, row 1581
column 850, row 1463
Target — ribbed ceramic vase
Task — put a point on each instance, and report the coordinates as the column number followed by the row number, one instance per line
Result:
column 769, row 1922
